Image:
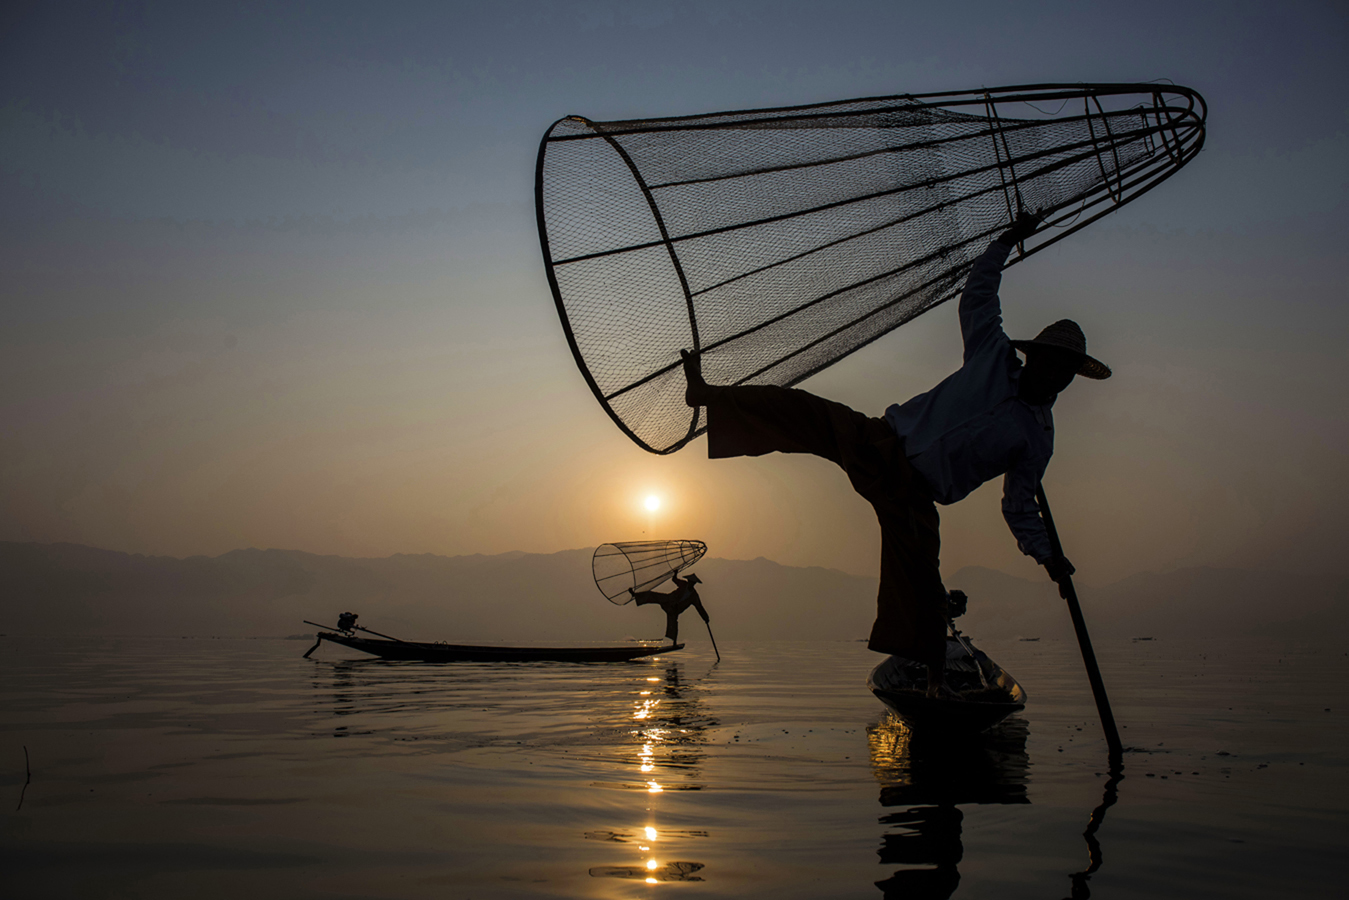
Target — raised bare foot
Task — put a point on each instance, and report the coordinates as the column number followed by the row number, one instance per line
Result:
column 697, row 392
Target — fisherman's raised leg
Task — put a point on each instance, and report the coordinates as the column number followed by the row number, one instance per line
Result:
column 752, row 420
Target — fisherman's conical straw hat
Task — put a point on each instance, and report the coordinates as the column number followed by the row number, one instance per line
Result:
column 1065, row 334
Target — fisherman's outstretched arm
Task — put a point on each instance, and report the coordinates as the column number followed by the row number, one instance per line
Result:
column 1021, row 510
column 698, row 605
column 980, row 309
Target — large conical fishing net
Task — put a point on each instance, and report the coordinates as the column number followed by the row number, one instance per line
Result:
column 777, row 241
column 640, row 565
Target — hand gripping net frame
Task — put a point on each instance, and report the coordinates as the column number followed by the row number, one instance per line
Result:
column 640, row 565
column 777, row 241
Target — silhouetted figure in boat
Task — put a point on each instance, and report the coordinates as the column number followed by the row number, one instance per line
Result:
column 989, row 418
column 674, row 603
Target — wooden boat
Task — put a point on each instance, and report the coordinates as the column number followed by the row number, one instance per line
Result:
column 391, row 648
column 981, row 694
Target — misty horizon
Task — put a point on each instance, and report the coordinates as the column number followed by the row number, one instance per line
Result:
column 519, row 596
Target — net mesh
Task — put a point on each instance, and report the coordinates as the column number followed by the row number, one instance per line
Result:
column 778, row 241
column 640, row 565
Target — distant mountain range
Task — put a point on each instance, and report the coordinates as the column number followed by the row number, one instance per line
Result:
column 69, row 588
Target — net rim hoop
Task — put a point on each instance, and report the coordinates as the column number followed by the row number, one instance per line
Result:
column 540, row 219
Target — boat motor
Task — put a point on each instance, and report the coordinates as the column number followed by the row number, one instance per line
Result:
column 956, row 604
column 347, row 622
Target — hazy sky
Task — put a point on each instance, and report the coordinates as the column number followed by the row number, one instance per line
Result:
column 269, row 276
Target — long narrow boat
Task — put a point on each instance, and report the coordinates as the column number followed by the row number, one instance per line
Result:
column 439, row 652
column 980, row 692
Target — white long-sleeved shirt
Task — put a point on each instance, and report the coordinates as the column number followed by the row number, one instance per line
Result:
column 973, row 427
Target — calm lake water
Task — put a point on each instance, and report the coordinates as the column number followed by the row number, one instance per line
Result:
column 228, row 768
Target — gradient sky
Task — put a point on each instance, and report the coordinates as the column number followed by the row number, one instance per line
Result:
column 269, row 277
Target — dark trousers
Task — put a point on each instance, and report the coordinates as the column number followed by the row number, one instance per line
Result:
column 754, row 420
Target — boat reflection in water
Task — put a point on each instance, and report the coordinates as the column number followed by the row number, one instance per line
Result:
column 668, row 731
column 345, row 693
column 925, row 779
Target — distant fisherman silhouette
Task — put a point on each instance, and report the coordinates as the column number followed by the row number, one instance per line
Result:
column 991, row 417
column 674, row 603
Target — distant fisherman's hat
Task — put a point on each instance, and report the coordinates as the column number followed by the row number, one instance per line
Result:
column 693, row 579
column 1066, row 335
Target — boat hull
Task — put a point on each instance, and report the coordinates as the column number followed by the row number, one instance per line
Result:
column 437, row 652
column 901, row 684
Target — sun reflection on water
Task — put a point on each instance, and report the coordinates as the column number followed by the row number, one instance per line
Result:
column 668, row 727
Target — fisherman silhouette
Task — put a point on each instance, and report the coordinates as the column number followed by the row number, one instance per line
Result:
column 991, row 417
column 674, row 603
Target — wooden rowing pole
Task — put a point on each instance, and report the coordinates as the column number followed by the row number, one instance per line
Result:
column 1068, row 593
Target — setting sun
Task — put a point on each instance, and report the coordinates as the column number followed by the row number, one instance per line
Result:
column 652, row 503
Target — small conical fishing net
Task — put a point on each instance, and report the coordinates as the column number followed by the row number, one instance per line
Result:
column 778, row 241
column 641, row 565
